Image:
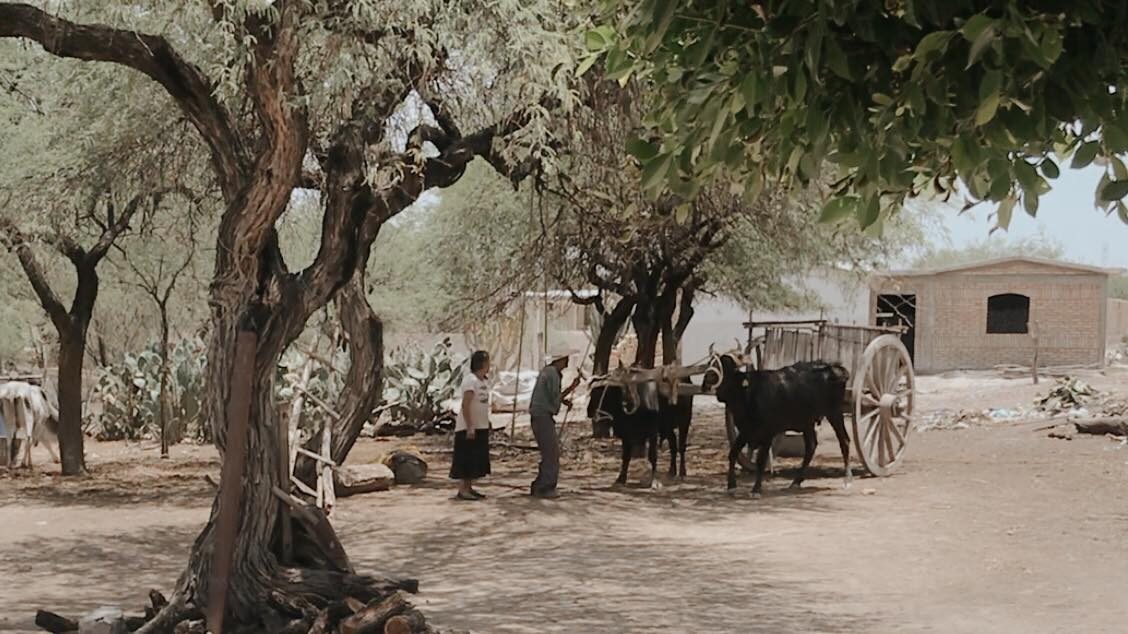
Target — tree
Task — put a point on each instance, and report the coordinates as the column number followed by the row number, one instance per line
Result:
column 71, row 323
column 298, row 94
column 1118, row 287
column 892, row 100
column 989, row 248
column 156, row 275
column 69, row 178
column 654, row 257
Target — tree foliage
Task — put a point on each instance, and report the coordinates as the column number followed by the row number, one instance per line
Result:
column 890, row 100
column 290, row 95
column 1040, row 246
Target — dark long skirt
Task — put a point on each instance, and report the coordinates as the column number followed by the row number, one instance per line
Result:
column 471, row 457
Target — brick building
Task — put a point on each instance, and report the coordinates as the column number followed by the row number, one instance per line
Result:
column 988, row 313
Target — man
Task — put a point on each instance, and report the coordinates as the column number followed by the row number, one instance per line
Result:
column 544, row 405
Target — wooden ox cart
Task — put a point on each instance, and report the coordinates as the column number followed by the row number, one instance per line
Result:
column 880, row 395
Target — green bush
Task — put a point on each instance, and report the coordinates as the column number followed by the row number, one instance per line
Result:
column 418, row 382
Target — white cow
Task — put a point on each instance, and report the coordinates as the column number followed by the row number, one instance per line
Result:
column 25, row 409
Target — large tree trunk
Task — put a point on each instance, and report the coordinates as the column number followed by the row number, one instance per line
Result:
column 608, row 335
column 647, row 327
column 72, row 349
column 255, row 571
column 363, row 386
column 672, row 331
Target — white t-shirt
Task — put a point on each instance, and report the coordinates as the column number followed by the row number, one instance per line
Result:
column 479, row 407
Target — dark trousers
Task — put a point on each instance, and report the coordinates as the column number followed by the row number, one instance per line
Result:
column 548, row 472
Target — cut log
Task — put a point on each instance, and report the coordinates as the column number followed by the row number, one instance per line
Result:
column 54, row 623
column 362, row 478
column 407, row 623
column 134, row 623
column 328, row 618
column 191, row 627
column 373, row 618
column 1101, row 426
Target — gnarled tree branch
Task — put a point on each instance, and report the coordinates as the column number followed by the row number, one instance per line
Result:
column 148, row 54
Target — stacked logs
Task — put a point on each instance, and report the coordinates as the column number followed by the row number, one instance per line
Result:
column 388, row 614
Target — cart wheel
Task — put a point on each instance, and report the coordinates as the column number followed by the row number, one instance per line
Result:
column 883, row 404
column 746, row 458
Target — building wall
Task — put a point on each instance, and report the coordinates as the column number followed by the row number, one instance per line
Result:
column 1068, row 309
column 1117, row 329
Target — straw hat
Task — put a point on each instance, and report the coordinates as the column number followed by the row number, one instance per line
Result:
column 560, row 351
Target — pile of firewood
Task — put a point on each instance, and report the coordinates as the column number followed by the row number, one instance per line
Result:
column 390, row 614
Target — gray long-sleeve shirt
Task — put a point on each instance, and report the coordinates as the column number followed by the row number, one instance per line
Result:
column 545, row 400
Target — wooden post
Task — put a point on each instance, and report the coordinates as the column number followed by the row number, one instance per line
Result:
column 329, row 493
column 237, row 418
column 520, row 359
column 289, row 446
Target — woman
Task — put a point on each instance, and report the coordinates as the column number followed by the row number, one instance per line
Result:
column 472, row 429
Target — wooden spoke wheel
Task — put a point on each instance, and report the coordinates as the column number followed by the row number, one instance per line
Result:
column 883, row 404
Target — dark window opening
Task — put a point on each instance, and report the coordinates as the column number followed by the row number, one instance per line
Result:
column 1008, row 314
column 899, row 310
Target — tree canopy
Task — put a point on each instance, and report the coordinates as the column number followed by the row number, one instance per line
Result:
column 890, row 100
column 937, row 257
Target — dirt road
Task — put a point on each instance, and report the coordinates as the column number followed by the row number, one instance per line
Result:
column 988, row 529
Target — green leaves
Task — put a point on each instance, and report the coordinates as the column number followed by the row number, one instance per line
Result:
column 1114, row 191
column 838, row 209
column 1085, row 154
column 935, row 42
column 869, row 212
column 901, row 106
column 641, row 150
column 654, row 173
column 988, row 97
column 1050, row 169
column 980, row 30
column 598, row 39
column 1004, row 213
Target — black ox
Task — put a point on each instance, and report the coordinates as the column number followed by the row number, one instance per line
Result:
column 765, row 403
column 640, row 418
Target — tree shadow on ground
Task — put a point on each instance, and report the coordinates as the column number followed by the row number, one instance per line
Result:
column 74, row 575
column 680, row 559
column 180, row 484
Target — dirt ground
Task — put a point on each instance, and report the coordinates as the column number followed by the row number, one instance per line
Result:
column 994, row 528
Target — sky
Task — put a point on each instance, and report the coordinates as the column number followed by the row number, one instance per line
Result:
column 1066, row 214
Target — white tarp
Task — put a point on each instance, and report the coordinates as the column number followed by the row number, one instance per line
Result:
column 508, row 383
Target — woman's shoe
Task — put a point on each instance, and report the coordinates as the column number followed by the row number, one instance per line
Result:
column 480, row 496
column 466, row 497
